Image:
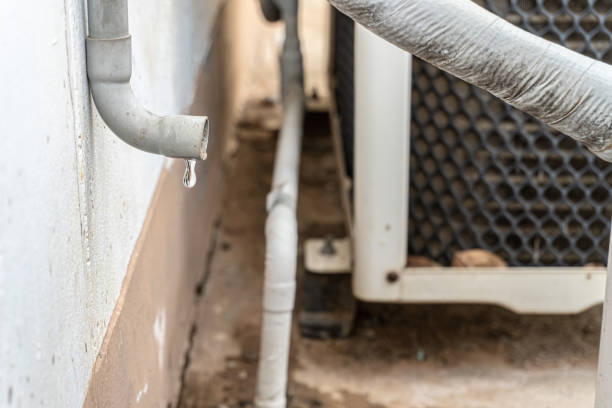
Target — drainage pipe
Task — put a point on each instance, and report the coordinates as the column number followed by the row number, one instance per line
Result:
column 281, row 228
column 109, row 68
column 566, row 90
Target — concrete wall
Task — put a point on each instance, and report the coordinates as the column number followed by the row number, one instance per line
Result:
column 73, row 197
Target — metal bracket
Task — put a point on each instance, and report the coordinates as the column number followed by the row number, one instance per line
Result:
column 328, row 256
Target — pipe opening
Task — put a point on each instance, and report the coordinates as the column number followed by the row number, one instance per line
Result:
column 204, row 144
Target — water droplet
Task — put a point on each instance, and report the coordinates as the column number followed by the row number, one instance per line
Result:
column 189, row 179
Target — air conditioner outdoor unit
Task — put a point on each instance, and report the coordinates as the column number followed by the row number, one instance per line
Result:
column 439, row 166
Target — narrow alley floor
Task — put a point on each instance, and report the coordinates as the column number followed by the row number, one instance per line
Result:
column 415, row 356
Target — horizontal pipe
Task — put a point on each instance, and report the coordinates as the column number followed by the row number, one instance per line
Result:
column 109, row 68
column 566, row 90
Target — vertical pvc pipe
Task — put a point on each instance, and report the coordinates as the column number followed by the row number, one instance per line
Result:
column 281, row 228
column 281, row 261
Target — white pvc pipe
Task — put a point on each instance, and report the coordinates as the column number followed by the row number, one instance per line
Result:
column 281, row 227
column 281, row 260
column 566, row 90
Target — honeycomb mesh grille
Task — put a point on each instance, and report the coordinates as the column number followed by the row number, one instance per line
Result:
column 484, row 175
column 343, row 58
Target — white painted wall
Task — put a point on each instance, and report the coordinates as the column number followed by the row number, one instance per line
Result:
column 73, row 197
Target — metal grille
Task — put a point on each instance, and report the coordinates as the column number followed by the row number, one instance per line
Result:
column 484, row 175
column 343, row 58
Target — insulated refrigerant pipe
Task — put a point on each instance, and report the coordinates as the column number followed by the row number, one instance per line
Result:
column 566, row 90
column 109, row 68
column 281, row 227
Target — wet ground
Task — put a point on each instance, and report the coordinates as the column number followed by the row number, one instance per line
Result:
column 417, row 356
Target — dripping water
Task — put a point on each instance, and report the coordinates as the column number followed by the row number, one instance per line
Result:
column 189, row 179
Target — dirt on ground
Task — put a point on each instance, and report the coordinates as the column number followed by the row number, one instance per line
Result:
column 416, row 356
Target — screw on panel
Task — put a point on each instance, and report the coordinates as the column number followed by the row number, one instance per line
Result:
column 328, row 247
column 392, row 277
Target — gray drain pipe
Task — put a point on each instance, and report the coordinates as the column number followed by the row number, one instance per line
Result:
column 566, row 90
column 109, row 68
column 281, row 227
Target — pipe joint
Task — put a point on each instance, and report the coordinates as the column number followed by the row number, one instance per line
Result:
column 282, row 195
column 279, row 297
column 109, row 60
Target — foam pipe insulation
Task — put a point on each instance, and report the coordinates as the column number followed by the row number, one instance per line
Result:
column 566, row 90
column 109, row 68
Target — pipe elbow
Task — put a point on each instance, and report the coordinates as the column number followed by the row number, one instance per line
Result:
column 109, row 70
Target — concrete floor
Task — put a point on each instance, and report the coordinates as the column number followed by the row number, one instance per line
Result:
column 417, row 356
